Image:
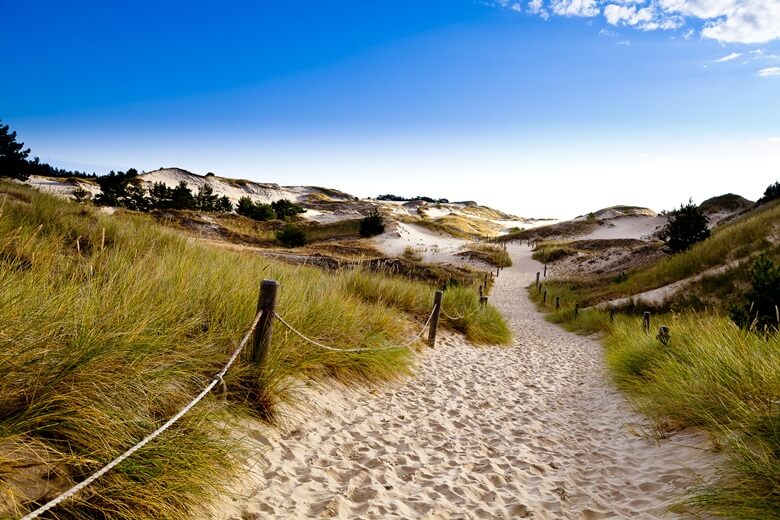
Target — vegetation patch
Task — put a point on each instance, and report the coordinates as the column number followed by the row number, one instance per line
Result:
column 112, row 323
column 493, row 255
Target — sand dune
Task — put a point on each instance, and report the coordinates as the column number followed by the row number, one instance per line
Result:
column 532, row 430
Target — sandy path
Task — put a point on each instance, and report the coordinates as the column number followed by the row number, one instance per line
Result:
column 533, row 430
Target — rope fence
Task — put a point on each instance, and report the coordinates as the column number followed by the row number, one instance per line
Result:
column 362, row 349
column 260, row 331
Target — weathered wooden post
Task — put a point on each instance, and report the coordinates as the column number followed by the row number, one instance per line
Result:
column 557, row 302
column 545, row 269
column 481, row 292
column 262, row 339
column 544, row 298
column 612, row 315
column 435, row 318
column 646, row 321
column 483, row 300
column 576, row 310
column 537, row 278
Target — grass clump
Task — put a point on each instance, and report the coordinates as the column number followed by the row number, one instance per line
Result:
column 491, row 254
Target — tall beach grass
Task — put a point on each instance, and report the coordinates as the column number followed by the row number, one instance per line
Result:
column 111, row 323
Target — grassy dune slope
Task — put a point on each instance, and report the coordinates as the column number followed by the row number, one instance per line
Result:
column 711, row 375
column 111, row 324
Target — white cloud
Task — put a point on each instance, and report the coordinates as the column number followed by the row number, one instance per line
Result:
column 516, row 7
column 537, row 7
column 575, row 7
column 774, row 140
column 607, row 33
column 618, row 14
column 729, row 57
column 726, row 21
column 769, row 71
column 731, row 21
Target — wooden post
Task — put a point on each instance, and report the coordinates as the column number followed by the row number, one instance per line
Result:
column 545, row 269
column 544, row 298
column 262, row 339
column 557, row 302
column 481, row 292
column 612, row 315
column 539, row 289
column 435, row 319
column 646, row 321
column 537, row 278
column 576, row 310
column 483, row 300
column 663, row 335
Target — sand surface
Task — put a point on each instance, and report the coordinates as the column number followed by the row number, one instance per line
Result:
column 640, row 227
column 530, row 430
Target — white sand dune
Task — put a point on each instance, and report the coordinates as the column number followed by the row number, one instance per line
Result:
column 639, row 227
column 432, row 246
column 530, row 430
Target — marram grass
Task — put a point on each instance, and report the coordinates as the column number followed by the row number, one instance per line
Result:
column 711, row 376
column 110, row 324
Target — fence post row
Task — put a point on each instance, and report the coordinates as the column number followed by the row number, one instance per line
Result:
column 435, row 318
column 646, row 321
column 266, row 303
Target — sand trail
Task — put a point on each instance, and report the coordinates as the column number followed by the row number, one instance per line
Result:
column 532, row 430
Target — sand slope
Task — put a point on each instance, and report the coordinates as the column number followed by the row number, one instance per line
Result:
column 532, row 430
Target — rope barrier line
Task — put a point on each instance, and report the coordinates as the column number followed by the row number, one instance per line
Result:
column 361, row 349
column 146, row 440
column 452, row 317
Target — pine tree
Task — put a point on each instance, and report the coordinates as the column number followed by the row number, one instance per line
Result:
column 685, row 227
column 13, row 155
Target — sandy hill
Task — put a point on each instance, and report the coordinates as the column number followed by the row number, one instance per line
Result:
column 729, row 202
column 234, row 189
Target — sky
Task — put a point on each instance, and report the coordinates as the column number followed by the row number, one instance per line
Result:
column 542, row 108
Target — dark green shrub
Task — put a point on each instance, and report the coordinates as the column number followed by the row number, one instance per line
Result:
column 685, row 227
column 372, row 225
column 760, row 311
column 771, row 193
column 255, row 210
column 285, row 209
column 291, row 236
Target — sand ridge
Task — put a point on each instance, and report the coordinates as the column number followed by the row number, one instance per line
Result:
column 531, row 430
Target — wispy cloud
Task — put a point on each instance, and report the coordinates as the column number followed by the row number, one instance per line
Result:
column 726, row 21
column 769, row 71
column 537, row 7
column 588, row 8
column 729, row 57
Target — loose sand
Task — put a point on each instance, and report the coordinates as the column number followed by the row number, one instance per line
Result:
column 531, row 430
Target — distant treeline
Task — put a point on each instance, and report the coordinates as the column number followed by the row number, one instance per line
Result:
column 125, row 190
column 398, row 198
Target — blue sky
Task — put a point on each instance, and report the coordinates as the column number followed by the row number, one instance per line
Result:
column 541, row 107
